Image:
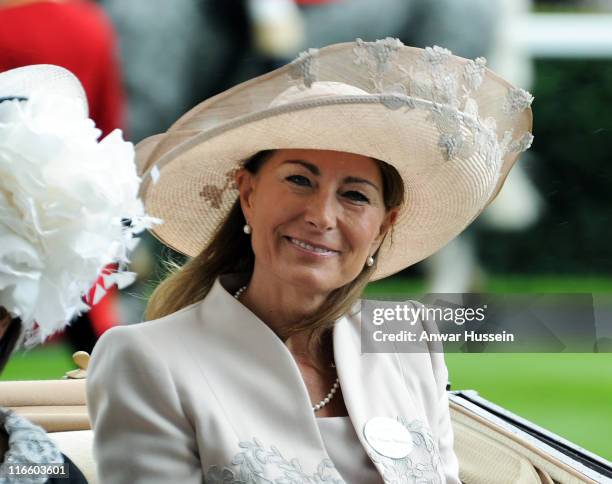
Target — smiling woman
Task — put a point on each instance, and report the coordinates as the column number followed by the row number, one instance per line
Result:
column 290, row 193
column 316, row 219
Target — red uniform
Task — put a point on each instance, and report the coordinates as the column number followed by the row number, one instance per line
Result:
column 74, row 34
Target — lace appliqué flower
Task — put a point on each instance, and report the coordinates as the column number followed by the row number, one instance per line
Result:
column 213, row 194
column 436, row 55
column 517, row 100
column 28, row 444
column 258, row 465
column 521, row 144
column 473, row 73
column 377, row 57
column 421, row 466
column 452, row 140
column 304, row 69
column 446, row 90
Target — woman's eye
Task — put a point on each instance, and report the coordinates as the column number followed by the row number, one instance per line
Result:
column 299, row 180
column 357, row 196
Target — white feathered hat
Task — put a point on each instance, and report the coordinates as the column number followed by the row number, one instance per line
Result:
column 65, row 198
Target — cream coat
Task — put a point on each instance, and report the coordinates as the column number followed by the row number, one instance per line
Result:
column 211, row 394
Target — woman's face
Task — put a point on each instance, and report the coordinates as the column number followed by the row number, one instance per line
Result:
column 315, row 216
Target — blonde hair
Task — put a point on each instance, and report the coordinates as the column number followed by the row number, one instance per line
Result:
column 230, row 251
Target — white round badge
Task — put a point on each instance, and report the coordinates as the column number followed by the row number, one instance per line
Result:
column 388, row 437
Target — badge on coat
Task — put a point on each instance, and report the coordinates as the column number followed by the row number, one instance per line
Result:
column 388, row 437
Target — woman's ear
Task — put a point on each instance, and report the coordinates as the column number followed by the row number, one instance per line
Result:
column 245, row 183
column 385, row 226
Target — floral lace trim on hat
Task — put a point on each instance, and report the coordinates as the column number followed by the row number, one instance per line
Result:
column 377, row 57
column 422, row 465
column 305, row 68
column 462, row 132
column 28, row 444
column 517, row 100
column 213, row 194
column 258, row 465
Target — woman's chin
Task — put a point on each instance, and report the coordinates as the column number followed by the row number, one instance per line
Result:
column 314, row 280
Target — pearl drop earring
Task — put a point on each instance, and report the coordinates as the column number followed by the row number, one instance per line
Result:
column 370, row 261
column 246, row 229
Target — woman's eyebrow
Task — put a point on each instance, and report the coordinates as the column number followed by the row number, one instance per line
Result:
column 315, row 171
column 309, row 166
column 354, row 179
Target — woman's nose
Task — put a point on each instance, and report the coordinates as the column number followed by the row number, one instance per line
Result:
column 322, row 211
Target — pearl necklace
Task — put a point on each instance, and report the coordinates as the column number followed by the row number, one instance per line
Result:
column 336, row 384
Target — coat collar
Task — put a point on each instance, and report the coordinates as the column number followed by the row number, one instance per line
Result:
column 250, row 360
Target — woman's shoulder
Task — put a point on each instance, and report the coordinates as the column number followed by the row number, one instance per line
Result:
column 179, row 321
column 148, row 340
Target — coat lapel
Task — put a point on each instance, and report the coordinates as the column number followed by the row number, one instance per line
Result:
column 373, row 387
column 375, row 392
column 261, row 379
column 260, row 386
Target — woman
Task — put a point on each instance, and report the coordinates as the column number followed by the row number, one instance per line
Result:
column 290, row 193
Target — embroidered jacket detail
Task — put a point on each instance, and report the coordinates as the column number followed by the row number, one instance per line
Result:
column 258, row 465
column 422, row 465
column 304, row 69
column 28, row 444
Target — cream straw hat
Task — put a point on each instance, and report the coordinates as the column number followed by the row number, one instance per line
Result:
column 451, row 127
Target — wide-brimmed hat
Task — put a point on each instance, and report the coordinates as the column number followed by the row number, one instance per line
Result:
column 450, row 126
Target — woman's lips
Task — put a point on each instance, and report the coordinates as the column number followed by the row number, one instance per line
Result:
column 309, row 247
